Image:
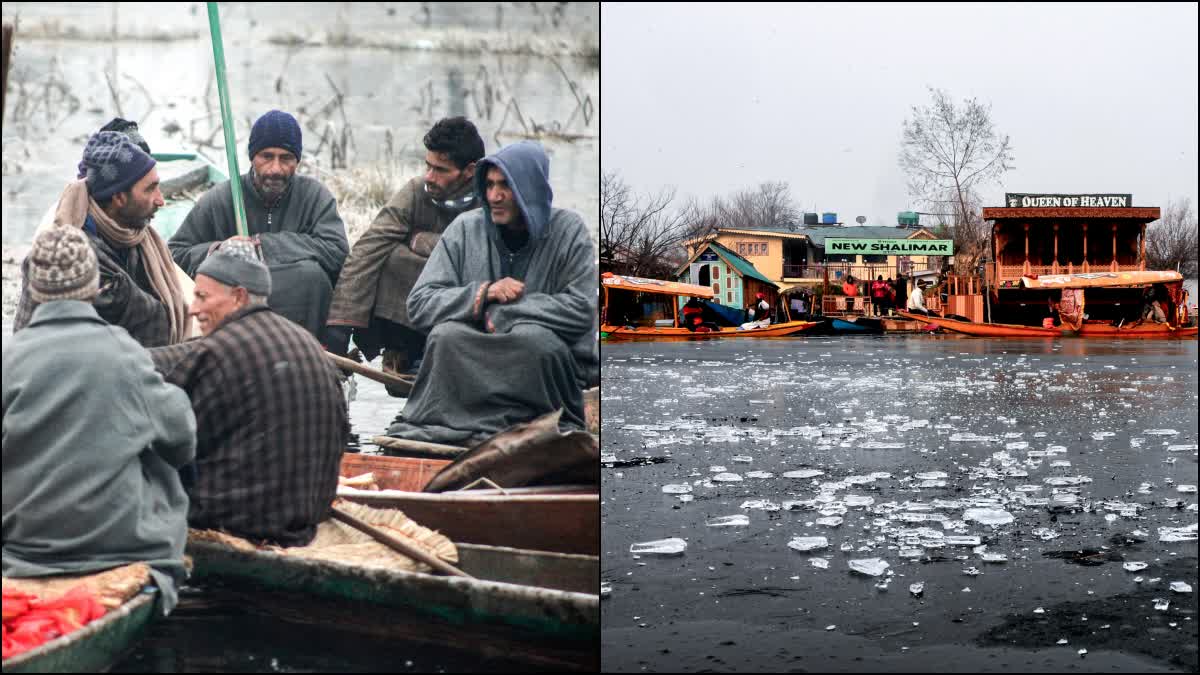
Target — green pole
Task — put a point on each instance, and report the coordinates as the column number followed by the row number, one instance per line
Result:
column 235, row 176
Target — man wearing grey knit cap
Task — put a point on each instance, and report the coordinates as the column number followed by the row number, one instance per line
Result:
column 71, row 382
column 265, row 395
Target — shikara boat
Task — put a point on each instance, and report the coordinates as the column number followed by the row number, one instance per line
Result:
column 985, row 329
column 1089, row 329
column 670, row 290
column 535, row 605
column 94, row 647
column 859, row 325
column 565, row 519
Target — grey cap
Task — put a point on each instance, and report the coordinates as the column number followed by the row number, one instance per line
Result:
column 237, row 266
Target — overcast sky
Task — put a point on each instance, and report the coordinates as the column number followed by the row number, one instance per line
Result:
column 709, row 97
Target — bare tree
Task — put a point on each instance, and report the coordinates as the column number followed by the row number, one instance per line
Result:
column 971, row 235
column 947, row 150
column 642, row 235
column 1171, row 242
column 770, row 204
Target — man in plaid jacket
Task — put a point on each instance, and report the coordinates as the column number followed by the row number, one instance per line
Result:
column 271, row 421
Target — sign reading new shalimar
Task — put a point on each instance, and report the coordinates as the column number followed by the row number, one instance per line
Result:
column 889, row 246
column 1023, row 201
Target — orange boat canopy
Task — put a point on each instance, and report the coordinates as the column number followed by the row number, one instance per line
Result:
column 610, row 280
column 1098, row 279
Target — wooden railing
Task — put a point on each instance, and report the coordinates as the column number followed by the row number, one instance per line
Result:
column 1015, row 272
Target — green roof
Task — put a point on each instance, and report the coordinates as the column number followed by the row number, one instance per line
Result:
column 740, row 264
column 818, row 234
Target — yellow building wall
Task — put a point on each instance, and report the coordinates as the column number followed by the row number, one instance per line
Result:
column 769, row 265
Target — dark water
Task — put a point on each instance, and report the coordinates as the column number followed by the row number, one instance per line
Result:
column 1123, row 414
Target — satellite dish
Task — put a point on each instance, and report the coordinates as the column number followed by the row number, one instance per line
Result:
column 860, row 220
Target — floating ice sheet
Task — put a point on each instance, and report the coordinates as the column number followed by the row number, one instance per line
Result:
column 672, row 546
column 993, row 517
column 803, row 544
column 804, row 473
column 728, row 521
column 727, row 478
column 676, row 488
column 871, row 567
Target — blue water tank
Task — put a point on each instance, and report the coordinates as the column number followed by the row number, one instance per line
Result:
column 828, row 218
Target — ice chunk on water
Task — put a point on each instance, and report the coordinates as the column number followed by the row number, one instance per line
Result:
column 879, row 445
column 1160, row 432
column 1017, row 445
column 742, row 459
column 1177, row 533
column 931, row 475
column 808, row 543
column 971, row 572
column 819, row 563
column 1134, row 566
column 1044, row 533
column 1067, row 480
column 871, row 567
column 729, row 521
column 972, row 438
column 672, row 546
column 727, row 478
column 716, row 469
column 917, row 589
column 831, row 521
column 605, row 589
column 760, row 504
column 1181, row 448
column 1101, row 435
column 962, row 540
column 686, row 498
column 759, row 474
column 804, row 473
column 1161, row 605
column 1185, row 488
column 676, row 488
column 859, row 500
column 993, row 517
column 1181, row 587
column 993, row 557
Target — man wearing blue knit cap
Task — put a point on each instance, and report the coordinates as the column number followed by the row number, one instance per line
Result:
column 292, row 219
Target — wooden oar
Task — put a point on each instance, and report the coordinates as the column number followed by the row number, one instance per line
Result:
column 394, row 381
column 400, row 546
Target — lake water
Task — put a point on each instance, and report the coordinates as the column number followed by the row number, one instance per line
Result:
column 977, row 468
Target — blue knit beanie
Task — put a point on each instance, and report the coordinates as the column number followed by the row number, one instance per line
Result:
column 113, row 163
column 275, row 129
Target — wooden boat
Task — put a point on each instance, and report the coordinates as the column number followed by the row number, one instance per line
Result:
column 565, row 519
column 985, row 329
column 672, row 290
column 96, row 646
column 861, row 325
column 1089, row 329
column 653, row 333
column 535, row 605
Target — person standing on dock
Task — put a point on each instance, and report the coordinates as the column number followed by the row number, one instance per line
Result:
column 370, row 300
column 113, row 202
column 93, row 436
column 509, row 299
column 293, row 220
column 271, row 420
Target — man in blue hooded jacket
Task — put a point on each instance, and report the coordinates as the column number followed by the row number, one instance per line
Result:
column 509, row 300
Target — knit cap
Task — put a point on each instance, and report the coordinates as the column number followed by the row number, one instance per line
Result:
column 62, row 266
column 235, row 264
column 113, row 163
column 275, row 129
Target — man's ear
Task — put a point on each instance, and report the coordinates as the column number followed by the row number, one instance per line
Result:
column 469, row 170
column 120, row 199
column 241, row 296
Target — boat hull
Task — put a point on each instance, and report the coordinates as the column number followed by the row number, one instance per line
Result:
column 860, row 326
column 1089, row 329
column 566, row 520
column 93, row 648
column 646, row 333
column 564, row 606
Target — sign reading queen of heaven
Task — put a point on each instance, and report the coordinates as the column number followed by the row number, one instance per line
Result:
column 890, row 246
column 1024, row 201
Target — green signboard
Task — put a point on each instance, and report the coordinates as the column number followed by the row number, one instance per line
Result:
column 889, row 246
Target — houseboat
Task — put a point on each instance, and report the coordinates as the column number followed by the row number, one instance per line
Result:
column 1049, row 251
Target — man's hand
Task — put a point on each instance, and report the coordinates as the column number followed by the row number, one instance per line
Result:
column 505, row 291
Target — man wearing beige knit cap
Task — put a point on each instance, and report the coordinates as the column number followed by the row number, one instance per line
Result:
column 93, row 436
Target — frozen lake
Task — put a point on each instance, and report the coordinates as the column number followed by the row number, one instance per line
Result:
column 1002, row 476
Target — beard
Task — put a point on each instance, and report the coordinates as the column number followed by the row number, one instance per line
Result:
column 272, row 186
column 134, row 216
